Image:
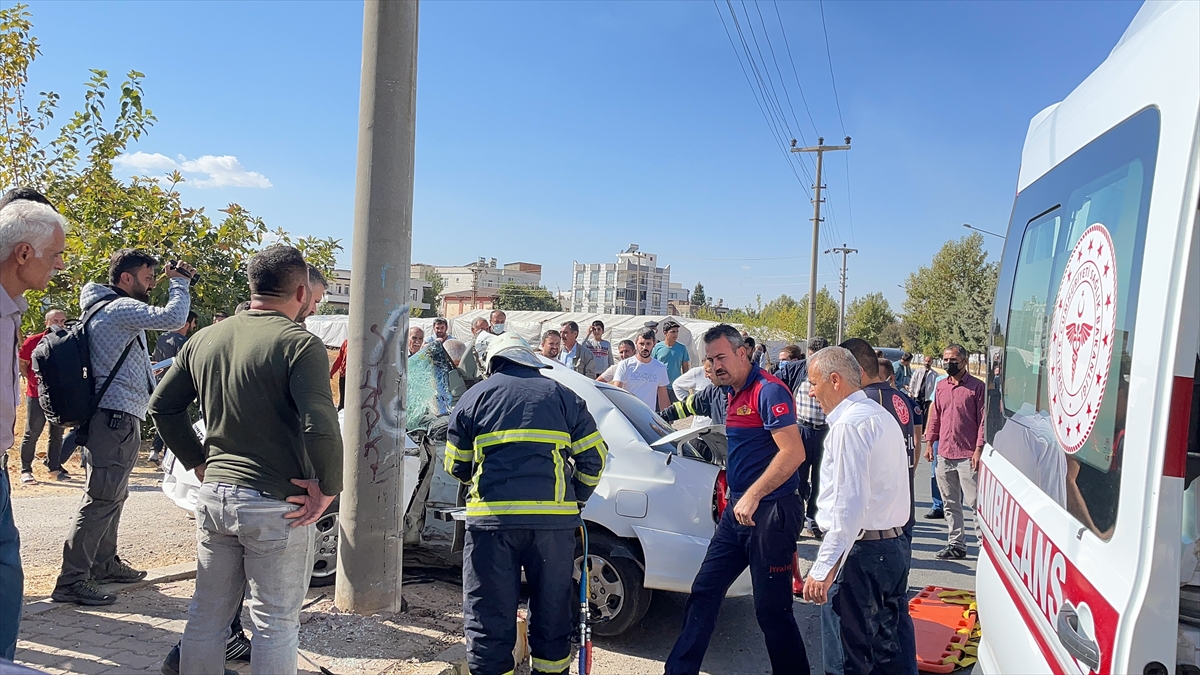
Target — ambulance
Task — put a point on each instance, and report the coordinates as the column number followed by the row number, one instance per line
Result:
column 1088, row 511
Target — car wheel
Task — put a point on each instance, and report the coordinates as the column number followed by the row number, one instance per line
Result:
column 616, row 594
column 324, row 571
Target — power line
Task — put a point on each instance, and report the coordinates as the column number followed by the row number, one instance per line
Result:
column 771, row 48
column 795, row 73
column 745, row 74
column 829, row 57
column 849, row 200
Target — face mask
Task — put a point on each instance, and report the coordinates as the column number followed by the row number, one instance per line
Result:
column 952, row 369
column 498, row 328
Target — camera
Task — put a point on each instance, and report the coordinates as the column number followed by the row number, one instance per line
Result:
column 193, row 278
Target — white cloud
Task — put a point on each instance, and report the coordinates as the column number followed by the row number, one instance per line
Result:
column 208, row 171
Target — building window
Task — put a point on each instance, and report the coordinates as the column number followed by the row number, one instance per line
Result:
column 579, row 295
column 592, row 295
column 657, row 299
column 579, row 278
column 610, row 278
column 608, row 295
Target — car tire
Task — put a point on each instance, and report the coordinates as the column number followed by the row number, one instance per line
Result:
column 618, row 596
column 324, row 572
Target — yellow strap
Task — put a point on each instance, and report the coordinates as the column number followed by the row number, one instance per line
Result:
column 546, row 666
column 590, row 481
column 960, row 661
column 478, row 508
column 956, row 593
column 582, row 445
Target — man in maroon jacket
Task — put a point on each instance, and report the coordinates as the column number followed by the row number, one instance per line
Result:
column 956, row 421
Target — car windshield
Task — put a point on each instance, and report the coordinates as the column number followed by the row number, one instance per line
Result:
column 648, row 424
column 428, row 389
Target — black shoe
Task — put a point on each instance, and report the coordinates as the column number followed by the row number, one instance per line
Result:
column 170, row 665
column 83, row 593
column 62, row 474
column 121, row 573
column 951, row 553
column 935, row 514
column 237, row 648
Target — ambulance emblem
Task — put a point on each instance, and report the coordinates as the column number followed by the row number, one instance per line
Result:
column 1082, row 333
column 901, row 408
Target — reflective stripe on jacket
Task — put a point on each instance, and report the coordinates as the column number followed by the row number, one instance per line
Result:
column 711, row 402
column 529, row 449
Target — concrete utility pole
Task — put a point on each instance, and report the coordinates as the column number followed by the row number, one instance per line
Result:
column 842, row 313
column 820, row 149
column 371, row 515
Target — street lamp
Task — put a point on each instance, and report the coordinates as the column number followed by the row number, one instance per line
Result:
column 972, row 227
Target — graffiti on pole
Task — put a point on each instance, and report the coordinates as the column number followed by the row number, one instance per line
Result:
column 384, row 420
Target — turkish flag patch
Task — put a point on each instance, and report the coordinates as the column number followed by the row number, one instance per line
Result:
column 781, row 409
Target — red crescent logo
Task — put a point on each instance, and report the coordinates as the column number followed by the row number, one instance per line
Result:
column 901, row 408
column 781, row 409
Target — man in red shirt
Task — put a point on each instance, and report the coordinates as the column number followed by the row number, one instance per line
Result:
column 35, row 417
column 956, row 420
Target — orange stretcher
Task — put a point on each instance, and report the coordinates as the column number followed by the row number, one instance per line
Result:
column 946, row 627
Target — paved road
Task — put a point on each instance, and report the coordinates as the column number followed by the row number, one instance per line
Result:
column 737, row 646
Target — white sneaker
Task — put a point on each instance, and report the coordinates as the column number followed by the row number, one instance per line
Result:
column 27, row 478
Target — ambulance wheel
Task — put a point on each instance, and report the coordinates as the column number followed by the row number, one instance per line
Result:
column 324, row 572
column 616, row 594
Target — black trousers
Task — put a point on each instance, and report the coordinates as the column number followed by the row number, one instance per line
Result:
column 769, row 550
column 111, row 453
column 35, row 422
column 810, row 470
column 865, row 626
column 492, row 562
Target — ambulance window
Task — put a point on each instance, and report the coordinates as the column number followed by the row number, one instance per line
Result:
column 1066, row 328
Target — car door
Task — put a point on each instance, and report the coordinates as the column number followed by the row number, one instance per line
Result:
column 1076, row 570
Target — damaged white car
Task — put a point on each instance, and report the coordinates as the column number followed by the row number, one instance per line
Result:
column 649, row 521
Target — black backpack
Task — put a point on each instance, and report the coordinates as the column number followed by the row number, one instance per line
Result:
column 63, row 363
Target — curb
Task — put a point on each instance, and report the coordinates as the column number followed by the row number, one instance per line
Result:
column 160, row 575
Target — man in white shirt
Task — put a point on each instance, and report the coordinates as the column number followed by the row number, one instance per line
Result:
column 692, row 382
column 644, row 376
column 624, row 350
column 859, row 574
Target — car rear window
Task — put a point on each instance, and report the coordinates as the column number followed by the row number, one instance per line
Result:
column 649, row 425
column 1064, row 324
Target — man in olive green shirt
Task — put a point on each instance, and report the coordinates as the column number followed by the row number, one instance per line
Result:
column 270, row 463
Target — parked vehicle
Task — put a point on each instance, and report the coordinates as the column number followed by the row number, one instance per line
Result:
column 649, row 520
column 1088, row 509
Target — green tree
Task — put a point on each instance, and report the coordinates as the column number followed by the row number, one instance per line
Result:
column 327, row 309
column 892, row 335
column 430, row 295
column 514, row 296
column 75, row 170
column 699, row 299
column 866, row 317
column 827, row 314
column 951, row 299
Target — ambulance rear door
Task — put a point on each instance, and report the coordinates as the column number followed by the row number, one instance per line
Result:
column 1080, row 490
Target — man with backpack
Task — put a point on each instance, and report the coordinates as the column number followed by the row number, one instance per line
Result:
column 115, row 317
column 32, row 239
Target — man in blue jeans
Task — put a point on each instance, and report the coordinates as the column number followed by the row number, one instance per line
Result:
column 32, row 240
column 860, row 572
column 270, row 464
column 760, row 527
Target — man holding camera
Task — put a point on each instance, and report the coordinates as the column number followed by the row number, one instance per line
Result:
column 118, row 352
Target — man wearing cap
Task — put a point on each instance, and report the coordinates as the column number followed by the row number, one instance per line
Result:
column 530, row 451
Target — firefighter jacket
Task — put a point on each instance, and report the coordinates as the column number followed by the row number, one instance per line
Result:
column 711, row 402
column 528, row 448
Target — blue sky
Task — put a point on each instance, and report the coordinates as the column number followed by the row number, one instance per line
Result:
column 551, row 132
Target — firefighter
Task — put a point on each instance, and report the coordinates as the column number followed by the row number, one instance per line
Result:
column 530, row 451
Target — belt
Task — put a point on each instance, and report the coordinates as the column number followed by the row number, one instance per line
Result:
column 817, row 427
column 874, row 535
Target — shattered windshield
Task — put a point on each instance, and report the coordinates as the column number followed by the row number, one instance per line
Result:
column 428, row 386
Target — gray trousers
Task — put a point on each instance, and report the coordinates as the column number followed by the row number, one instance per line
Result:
column 957, row 483
column 243, row 540
column 111, row 453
